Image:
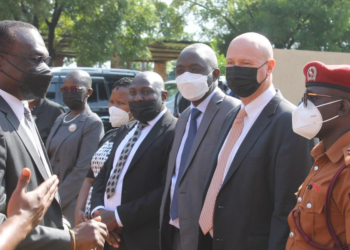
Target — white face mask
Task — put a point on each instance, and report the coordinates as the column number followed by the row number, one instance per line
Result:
column 117, row 116
column 307, row 121
column 192, row 86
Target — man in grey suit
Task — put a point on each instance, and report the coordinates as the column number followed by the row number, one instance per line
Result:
column 196, row 135
column 25, row 75
column 259, row 162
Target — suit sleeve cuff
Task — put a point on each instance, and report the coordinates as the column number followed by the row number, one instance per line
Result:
column 117, row 218
column 96, row 208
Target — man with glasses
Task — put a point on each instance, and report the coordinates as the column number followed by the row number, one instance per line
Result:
column 321, row 217
column 24, row 75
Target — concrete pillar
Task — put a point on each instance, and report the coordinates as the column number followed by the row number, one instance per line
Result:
column 160, row 68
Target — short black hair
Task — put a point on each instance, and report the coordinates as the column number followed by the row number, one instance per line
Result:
column 7, row 38
column 122, row 82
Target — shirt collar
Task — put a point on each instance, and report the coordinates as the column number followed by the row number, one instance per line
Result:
column 255, row 107
column 154, row 121
column 204, row 104
column 339, row 149
column 15, row 104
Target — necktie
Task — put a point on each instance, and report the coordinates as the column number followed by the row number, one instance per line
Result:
column 30, row 124
column 206, row 217
column 112, row 181
column 185, row 153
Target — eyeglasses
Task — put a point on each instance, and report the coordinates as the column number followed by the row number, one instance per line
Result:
column 312, row 97
column 72, row 89
column 35, row 60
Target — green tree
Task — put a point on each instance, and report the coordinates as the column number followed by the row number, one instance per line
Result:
column 221, row 57
column 292, row 24
column 94, row 30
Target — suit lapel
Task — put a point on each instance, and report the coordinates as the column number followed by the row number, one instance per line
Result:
column 12, row 118
column 209, row 114
column 79, row 123
column 253, row 135
column 180, row 130
column 157, row 130
column 54, row 130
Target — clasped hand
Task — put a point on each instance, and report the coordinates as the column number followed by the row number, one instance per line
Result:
column 108, row 217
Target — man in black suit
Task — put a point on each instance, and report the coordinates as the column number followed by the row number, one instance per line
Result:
column 25, row 75
column 127, row 192
column 259, row 162
column 45, row 113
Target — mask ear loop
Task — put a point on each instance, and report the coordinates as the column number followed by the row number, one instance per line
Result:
column 325, row 104
column 266, row 76
column 18, row 81
column 212, row 86
column 263, row 64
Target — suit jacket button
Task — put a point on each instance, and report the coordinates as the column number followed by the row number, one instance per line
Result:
column 219, row 239
column 221, row 207
column 124, row 192
column 57, row 159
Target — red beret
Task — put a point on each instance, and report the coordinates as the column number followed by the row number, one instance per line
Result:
column 331, row 76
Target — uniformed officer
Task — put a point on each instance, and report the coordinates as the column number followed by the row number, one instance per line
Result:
column 321, row 217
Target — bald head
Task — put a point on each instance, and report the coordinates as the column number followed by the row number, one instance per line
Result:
column 254, row 42
column 79, row 76
column 204, row 52
column 152, row 78
column 250, row 50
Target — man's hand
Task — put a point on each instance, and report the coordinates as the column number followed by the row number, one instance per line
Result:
column 31, row 206
column 80, row 216
column 113, row 239
column 108, row 217
column 90, row 234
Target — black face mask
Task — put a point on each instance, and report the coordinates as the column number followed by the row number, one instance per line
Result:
column 34, row 82
column 144, row 111
column 243, row 80
column 74, row 101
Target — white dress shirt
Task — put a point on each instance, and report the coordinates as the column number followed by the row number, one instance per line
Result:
column 201, row 107
column 114, row 201
column 253, row 110
column 17, row 107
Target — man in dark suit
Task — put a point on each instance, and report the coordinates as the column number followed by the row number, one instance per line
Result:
column 25, row 75
column 259, row 162
column 188, row 165
column 127, row 192
column 45, row 113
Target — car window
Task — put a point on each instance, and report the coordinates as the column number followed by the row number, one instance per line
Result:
column 51, row 92
column 102, row 94
column 93, row 98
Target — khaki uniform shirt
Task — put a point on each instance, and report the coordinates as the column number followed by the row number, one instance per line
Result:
column 312, row 194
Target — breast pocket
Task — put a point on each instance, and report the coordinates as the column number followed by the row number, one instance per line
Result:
column 311, row 211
